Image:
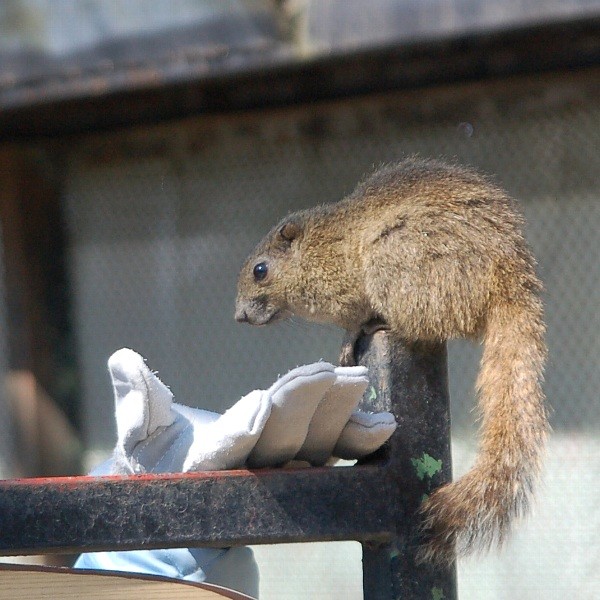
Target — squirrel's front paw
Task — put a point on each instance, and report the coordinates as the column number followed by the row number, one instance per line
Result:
column 347, row 352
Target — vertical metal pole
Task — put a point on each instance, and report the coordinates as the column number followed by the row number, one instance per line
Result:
column 410, row 380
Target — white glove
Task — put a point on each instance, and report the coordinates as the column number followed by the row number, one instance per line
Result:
column 309, row 414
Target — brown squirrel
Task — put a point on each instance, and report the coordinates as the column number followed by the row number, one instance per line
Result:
column 431, row 252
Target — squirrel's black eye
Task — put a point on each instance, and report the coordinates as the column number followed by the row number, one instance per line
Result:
column 260, row 271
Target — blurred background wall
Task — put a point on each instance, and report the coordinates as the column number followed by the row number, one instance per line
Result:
column 145, row 152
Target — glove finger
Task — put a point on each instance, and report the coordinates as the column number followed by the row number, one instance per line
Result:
column 364, row 433
column 332, row 414
column 294, row 399
column 142, row 401
column 226, row 442
column 296, row 378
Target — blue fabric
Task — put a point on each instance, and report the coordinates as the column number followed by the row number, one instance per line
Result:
column 179, row 563
column 229, row 567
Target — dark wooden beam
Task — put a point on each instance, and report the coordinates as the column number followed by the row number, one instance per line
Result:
column 273, row 76
column 37, row 321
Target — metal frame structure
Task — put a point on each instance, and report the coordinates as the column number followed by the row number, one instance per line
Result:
column 375, row 503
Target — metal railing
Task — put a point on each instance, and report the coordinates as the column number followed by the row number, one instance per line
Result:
column 375, row 503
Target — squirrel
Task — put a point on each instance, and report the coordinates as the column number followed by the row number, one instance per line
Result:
column 430, row 251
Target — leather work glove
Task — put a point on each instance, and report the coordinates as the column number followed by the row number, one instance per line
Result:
column 309, row 414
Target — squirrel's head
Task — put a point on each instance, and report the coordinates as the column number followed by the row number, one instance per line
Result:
column 265, row 284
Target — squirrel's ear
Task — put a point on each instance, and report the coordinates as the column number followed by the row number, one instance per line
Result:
column 289, row 231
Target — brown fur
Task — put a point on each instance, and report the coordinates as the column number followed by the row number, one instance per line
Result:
column 432, row 252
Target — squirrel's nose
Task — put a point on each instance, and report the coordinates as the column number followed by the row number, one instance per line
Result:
column 241, row 316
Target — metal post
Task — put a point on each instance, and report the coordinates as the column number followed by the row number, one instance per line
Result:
column 410, row 380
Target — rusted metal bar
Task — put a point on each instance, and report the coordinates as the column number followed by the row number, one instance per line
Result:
column 411, row 381
column 228, row 508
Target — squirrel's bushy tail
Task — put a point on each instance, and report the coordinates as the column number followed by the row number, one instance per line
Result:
column 475, row 511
